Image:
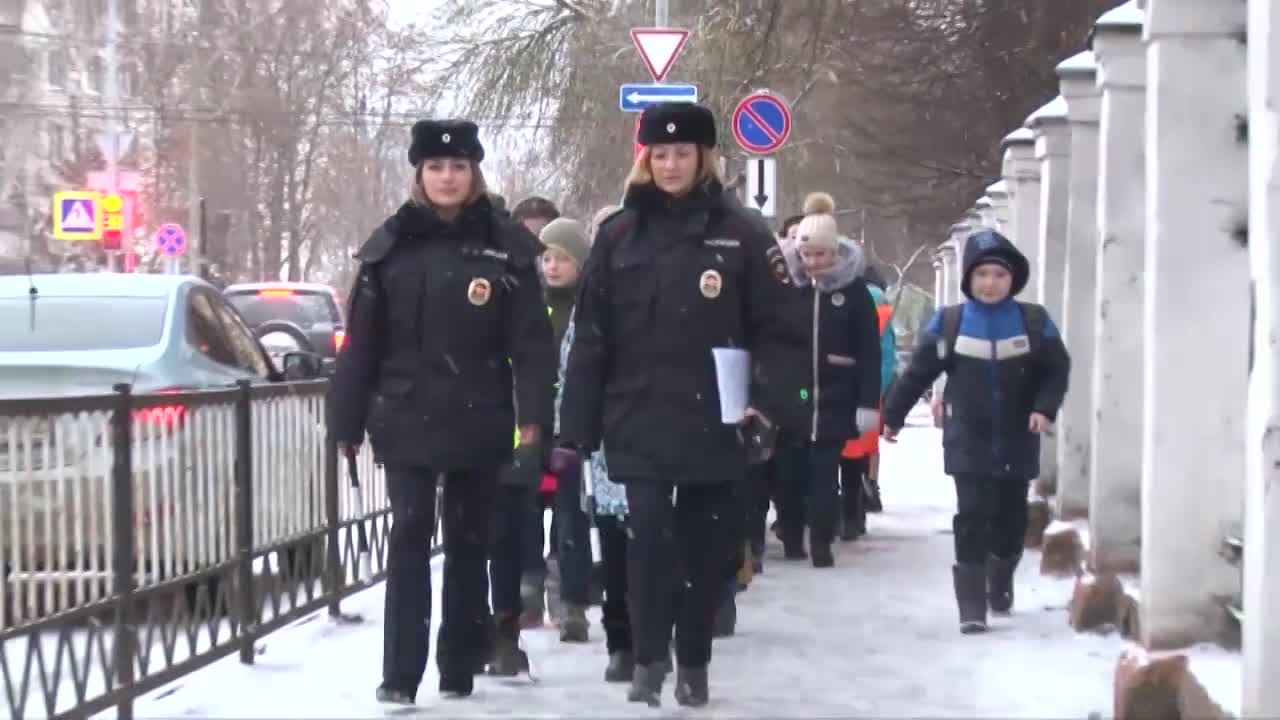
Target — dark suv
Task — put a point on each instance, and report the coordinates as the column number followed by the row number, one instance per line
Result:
column 306, row 315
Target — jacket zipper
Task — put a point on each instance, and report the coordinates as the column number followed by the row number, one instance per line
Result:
column 817, row 309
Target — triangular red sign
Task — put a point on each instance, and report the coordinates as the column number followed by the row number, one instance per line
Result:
column 659, row 48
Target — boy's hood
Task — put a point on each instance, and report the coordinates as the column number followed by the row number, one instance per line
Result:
column 850, row 263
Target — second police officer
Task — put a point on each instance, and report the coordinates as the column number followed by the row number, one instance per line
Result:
column 682, row 268
column 449, row 342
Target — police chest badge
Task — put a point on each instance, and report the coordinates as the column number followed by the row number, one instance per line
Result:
column 710, row 284
column 478, row 291
column 837, row 299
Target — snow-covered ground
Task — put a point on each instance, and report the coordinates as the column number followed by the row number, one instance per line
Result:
column 874, row 637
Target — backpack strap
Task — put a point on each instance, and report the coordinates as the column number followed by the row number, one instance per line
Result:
column 1033, row 316
column 951, row 316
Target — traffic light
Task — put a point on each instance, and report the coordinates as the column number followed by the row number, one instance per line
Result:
column 113, row 221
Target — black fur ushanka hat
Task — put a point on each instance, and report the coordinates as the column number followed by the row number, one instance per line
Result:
column 677, row 123
column 445, row 138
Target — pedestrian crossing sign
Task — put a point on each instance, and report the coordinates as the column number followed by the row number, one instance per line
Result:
column 77, row 215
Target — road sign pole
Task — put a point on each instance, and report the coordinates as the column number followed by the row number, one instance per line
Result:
column 660, row 13
column 113, row 106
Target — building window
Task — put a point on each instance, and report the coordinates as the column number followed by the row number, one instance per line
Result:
column 95, row 74
column 56, row 140
column 56, row 68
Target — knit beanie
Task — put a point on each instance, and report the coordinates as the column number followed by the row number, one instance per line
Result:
column 568, row 236
column 818, row 228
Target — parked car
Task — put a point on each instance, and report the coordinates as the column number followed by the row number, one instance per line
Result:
column 290, row 316
column 75, row 335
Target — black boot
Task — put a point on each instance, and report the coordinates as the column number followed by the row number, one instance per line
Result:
column 971, row 597
column 646, row 684
column 392, row 696
column 822, row 555
column 691, row 686
column 726, row 618
column 852, row 514
column 1000, row 582
column 508, row 659
column 456, row 684
column 621, row 667
column 872, row 492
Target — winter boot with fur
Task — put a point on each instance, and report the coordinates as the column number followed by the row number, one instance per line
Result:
column 508, row 659
column 533, row 588
column 646, row 684
column 691, row 687
column 574, row 625
column 621, row 667
column 971, row 597
column 1000, row 582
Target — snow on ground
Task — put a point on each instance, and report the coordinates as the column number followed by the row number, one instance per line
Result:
column 874, row 637
column 1221, row 673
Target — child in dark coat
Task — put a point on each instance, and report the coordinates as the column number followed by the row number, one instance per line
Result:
column 844, row 380
column 1007, row 371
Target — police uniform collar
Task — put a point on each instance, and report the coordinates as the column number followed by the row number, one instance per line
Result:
column 704, row 197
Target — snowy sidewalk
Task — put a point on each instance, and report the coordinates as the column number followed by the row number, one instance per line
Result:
column 875, row 637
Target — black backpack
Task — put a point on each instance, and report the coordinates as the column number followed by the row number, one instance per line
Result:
column 1033, row 317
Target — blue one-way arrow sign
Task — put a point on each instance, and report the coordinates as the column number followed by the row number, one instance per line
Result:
column 637, row 97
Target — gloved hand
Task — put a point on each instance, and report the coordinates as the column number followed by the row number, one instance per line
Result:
column 867, row 420
column 565, row 463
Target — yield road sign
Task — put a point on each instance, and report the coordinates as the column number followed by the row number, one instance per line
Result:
column 762, row 184
column 76, row 216
column 171, row 239
column 635, row 97
column 761, row 123
column 659, row 48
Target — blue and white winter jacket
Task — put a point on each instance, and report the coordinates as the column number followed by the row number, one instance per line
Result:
column 994, row 378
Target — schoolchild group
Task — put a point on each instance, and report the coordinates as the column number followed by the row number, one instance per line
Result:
column 595, row 343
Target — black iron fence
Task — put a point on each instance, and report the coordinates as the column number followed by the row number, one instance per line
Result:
column 143, row 537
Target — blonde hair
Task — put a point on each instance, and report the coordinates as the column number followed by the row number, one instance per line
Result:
column 418, row 194
column 642, row 174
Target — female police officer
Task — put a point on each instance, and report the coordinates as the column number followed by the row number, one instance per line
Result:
column 679, row 270
column 445, row 316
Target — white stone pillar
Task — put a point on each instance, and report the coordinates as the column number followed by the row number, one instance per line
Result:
column 1262, row 450
column 1023, row 176
column 999, row 194
column 959, row 238
column 939, row 299
column 1196, row 317
column 1053, row 141
column 1115, row 435
column 950, row 285
column 986, row 212
column 1078, row 81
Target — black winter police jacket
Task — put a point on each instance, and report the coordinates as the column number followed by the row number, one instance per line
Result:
column 668, row 280
column 444, row 318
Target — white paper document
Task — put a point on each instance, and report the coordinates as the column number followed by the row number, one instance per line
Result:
column 733, row 377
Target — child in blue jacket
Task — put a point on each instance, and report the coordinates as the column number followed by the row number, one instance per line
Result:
column 1007, row 371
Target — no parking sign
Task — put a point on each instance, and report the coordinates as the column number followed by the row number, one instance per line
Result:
column 171, row 239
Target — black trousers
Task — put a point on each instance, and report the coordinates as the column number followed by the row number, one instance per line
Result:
column 853, row 494
column 990, row 519
column 507, row 563
column 761, row 485
column 811, row 494
column 407, row 623
column 680, row 538
column 613, row 551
